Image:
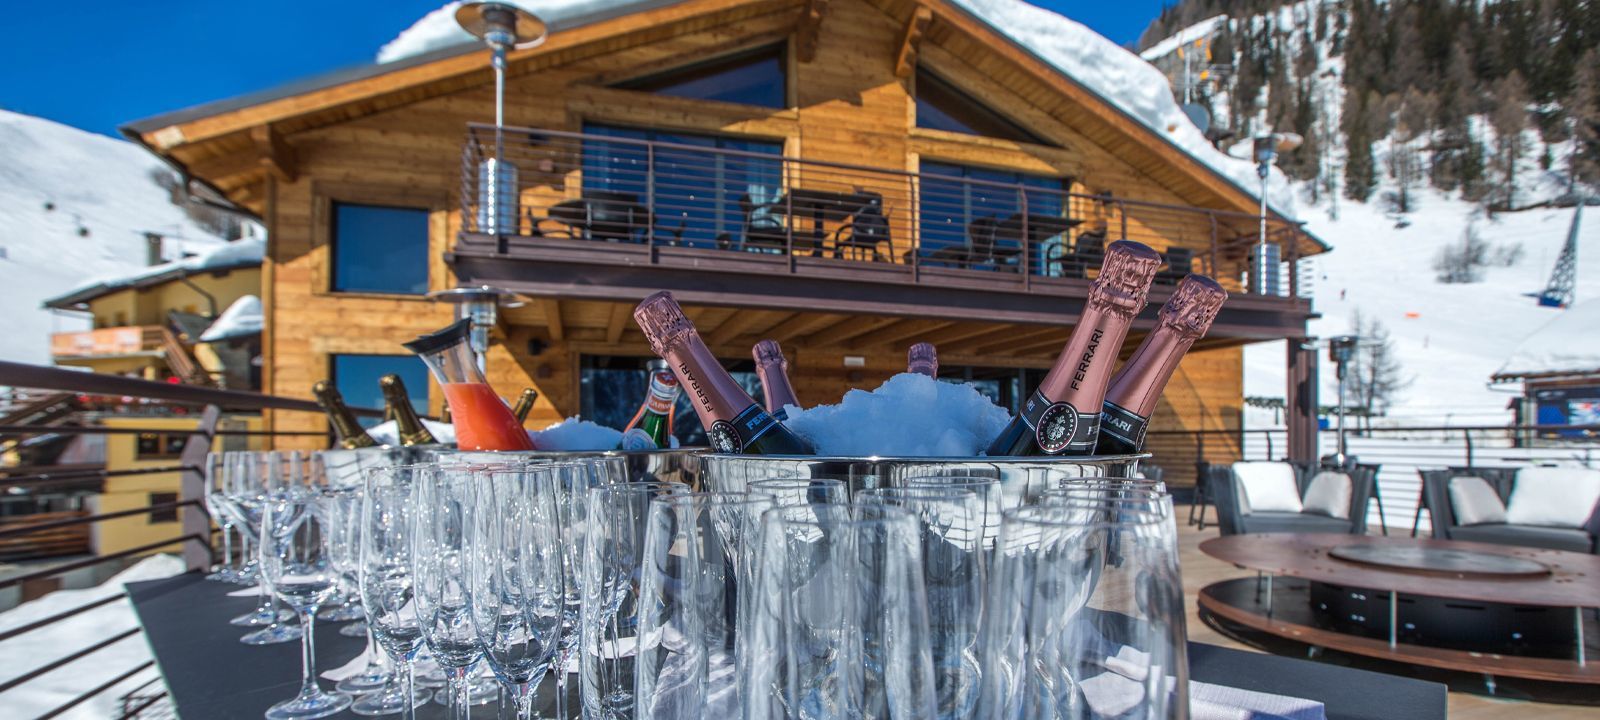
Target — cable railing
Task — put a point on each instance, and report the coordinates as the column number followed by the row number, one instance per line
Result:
column 193, row 538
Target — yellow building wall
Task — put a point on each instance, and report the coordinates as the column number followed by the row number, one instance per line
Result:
column 149, row 306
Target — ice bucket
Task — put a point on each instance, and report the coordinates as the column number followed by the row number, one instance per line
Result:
column 675, row 464
column 1022, row 479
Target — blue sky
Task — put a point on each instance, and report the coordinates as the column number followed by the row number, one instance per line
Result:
column 97, row 65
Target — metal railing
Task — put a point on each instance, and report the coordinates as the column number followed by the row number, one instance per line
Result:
column 634, row 196
column 196, row 527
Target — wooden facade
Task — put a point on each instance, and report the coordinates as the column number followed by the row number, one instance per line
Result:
column 396, row 138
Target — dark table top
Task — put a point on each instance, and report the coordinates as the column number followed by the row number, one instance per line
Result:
column 212, row 676
column 823, row 203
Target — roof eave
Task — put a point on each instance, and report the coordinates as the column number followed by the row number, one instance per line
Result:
column 78, row 299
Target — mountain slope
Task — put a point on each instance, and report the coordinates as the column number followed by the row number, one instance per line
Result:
column 73, row 205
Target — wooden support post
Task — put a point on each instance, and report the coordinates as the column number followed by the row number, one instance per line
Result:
column 809, row 29
column 273, row 153
column 1300, row 406
column 905, row 61
column 192, row 486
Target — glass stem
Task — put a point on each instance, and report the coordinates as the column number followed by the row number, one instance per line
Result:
column 308, row 655
column 524, row 697
column 264, row 602
column 227, row 548
column 563, row 655
column 375, row 657
column 460, row 704
column 409, row 689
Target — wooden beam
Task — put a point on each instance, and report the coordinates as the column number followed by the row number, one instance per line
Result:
column 273, row 153
column 956, row 333
column 900, row 332
column 1021, row 337
column 617, row 323
column 809, row 30
column 552, row 317
column 961, row 347
column 803, row 324
column 1043, row 344
column 854, row 327
column 739, row 324
column 905, row 61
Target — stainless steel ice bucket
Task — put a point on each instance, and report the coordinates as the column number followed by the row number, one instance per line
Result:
column 349, row 467
column 1022, row 479
column 676, row 464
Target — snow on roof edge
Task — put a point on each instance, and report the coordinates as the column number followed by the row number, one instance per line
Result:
column 226, row 256
column 1568, row 344
column 1182, row 37
column 242, row 319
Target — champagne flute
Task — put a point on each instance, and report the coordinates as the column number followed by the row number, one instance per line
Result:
column 386, row 574
column 296, row 558
column 442, row 498
column 216, row 502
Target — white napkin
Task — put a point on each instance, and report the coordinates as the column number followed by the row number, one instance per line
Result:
column 251, row 591
column 352, row 668
column 1219, row 702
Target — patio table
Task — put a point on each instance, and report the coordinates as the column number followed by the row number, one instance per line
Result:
column 212, row 676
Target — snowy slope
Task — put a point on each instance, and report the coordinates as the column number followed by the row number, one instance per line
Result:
column 94, row 183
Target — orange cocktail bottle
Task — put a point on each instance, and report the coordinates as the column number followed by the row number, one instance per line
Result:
column 482, row 419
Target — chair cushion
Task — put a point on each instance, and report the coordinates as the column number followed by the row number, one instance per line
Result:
column 1267, row 486
column 1570, row 539
column 1474, row 502
column 1287, row 522
column 1553, row 497
column 1329, row 494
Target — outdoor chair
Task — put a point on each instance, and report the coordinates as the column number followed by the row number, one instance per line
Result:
column 1180, row 262
column 864, row 231
column 1541, row 507
column 1087, row 253
column 1269, row 497
column 764, row 229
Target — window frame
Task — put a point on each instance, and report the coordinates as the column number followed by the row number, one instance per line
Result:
column 326, row 194
column 779, row 51
column 333, row 247
column 926, row 78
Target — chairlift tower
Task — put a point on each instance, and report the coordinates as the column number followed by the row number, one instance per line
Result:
column 1564, row 279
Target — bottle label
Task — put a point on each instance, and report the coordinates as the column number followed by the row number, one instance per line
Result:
column 732, row 437
column 663, row 392
column 1123, row 424
column 1059, row 427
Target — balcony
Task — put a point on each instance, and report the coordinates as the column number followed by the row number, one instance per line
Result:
column 105, row 343
column 603, row 216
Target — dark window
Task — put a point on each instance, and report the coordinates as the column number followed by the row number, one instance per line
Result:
column 611, row 389
column 940, row 106
column 155, row 446
column 166, row 515
column 756, row 77
column 356, row 377
column 380, row 249
column 707, row 192
column 954, row 196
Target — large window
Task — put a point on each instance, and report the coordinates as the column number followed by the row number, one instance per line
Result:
column 955, row 197
column 756, row 77
column 941, row 106
column 380, row 249
column 612, row 387
column 702, row 197
column 356, row 377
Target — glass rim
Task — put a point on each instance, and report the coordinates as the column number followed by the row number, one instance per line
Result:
column 1038, row 515
column 1086, row 489
column 795, row 482
column 921, row 491
column 889, row 513
column 950, row 480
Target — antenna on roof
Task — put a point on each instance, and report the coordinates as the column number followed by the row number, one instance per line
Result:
column 501, row 27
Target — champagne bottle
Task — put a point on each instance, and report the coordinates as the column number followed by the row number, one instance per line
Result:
column 398, row 403
column 1134, row 390
column 1054, row 420
column 773, row 369
column 654, row 419
column 923, row 358
column 350, row 433
column 524, row 404
column 734, row 422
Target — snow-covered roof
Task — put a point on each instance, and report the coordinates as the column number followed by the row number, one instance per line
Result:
column 242, row 319
column 1194, row 32
column 1567, row 345
column 223, row 256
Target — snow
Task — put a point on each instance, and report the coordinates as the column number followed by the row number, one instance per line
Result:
column 388, row 433
column 40, row 647
column 241, row 319
column 575, row 434
column 1568, row 344
column 94, row 183
column 911, row 415
column 438, row 29
column 222, row 255
column 1202, row 29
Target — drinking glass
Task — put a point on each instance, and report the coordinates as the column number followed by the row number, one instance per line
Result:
column 514, row 590
column 1106, row 482
column 992, row 500
column 252, row 486
column 614, row 527
column 216, row 503
column 839, row 619
column 443, row 496
column 801, row 491
column 1085, row 615
column 387, row 580
column 344, row 511
column 950, row 529
column 695, row 570
column 572, row 481
column 296, row 559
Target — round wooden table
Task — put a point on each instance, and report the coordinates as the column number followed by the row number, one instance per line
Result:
column 1402, row 566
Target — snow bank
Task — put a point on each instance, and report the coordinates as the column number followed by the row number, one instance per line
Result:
column 40, row 647
column 241, row 319
column 908, row 415
column 575, row 434
column 1569, row 343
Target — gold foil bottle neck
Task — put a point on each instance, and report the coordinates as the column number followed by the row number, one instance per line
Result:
column 1193, row 306
column 663, row 322
column 1124, row 280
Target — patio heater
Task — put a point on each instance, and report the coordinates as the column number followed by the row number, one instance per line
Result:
column 501, row 27
column 482, row 304
column 1341, row 350
column 1265, row 149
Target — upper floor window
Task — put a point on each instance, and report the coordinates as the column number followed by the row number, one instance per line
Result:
column 356, row 377
column 379, row 249
column 941, row 106
column 755, row 77
column 962, row 206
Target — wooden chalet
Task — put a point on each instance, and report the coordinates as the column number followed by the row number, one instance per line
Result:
column 845, row 176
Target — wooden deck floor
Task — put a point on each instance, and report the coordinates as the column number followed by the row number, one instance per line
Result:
column 1468, row 700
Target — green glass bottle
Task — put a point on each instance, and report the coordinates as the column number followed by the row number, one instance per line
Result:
column 654, row 419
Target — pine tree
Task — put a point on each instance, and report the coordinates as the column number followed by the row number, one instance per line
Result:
column 1583, row 109
column 1510, row 118
column 1408, row 68
column 1360, row 176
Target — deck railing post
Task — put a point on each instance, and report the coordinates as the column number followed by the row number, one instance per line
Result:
column 1467, row 435
column 916, row 227
column 1122, row 211
column 197, row 554
column 1212, row 216
column 650, row 200
column 788, row 220
column 1022, row 193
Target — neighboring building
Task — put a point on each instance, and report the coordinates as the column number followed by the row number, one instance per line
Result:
column 1559, row 368
column 153, row 323
column 847, row 177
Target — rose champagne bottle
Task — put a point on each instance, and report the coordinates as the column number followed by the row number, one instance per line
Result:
column 923, row 358
column 345, row 426
column 398, row 404
column 1134, row 390
column 651, row 427
column 482, row 419
column 1062, row 417
column 734, row 422
column 773, row 369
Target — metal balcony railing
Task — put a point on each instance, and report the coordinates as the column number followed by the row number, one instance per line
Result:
column 633, row 195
